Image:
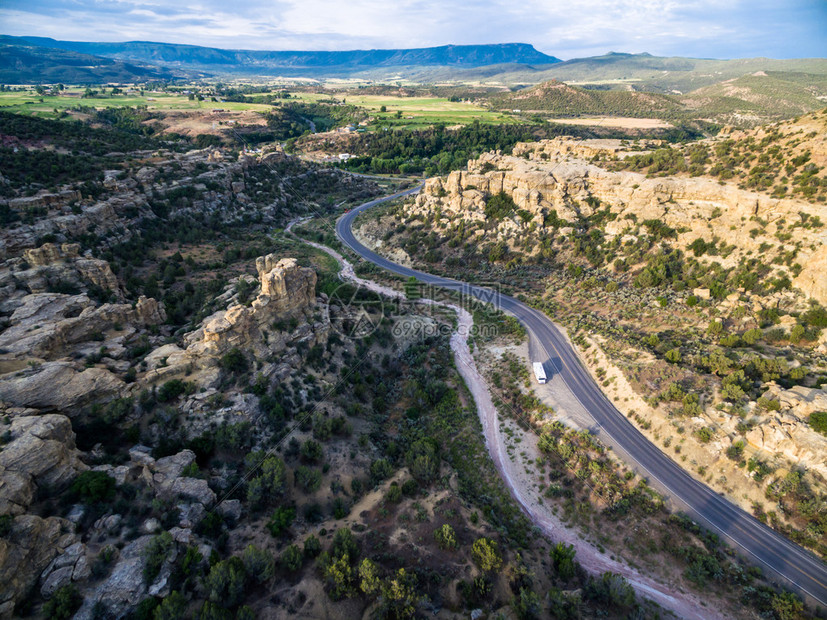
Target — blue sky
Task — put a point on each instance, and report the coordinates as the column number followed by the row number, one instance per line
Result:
column 564, row 28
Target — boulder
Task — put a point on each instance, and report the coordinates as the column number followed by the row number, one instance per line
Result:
column 25, row 552
column 788, row 432
column 41, row 452
column 287, row 290
column 811, row 280
column 58, row 386
column 169, row 468
column 51, row 263
column 230, row 509
column 45, row 325
column 195, row 489
column 124, row 588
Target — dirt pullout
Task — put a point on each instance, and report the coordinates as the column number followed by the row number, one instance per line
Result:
column 621, row 122
column 519, row 484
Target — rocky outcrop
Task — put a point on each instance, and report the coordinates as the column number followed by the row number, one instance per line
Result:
column 787, row 432
column 125, row 586
column 165, row 476
column 25, row 552
column 46, row 325
column 71, row 565
column 555, row 176
column 51, row 263
column 813, row 278
column 41, row 453
column 287, row 290
column 58, row 386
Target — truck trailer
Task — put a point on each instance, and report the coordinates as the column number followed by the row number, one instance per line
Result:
column 540, row 372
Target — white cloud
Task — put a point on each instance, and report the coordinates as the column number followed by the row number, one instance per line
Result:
column 565, row 28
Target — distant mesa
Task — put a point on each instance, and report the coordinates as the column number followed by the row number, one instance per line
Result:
column 264, row 62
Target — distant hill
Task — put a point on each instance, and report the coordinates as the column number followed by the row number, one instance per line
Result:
column 672, row 75
column 265, row 62
column 763, row 95
column 746, row 100
column 555, row 98
column 31, row 64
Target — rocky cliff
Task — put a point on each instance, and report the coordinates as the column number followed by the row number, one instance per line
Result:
column 41, row 452
column 287, row 291
column 557, row 176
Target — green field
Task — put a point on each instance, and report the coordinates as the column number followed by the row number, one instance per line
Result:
column 45, row 105
column 424, row 111
column 416, row 112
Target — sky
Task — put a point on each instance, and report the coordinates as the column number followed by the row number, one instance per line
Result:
column 562, row 28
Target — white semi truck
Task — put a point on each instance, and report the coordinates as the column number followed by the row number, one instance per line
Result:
column 540, row 372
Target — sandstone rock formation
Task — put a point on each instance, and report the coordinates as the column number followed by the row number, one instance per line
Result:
column 58, row 386
column 71, row 565
column 787, row 433
column 287, row 290
column 52, row 263
column 124, row 588
column 41, row 452
column 25, row 552
column 554, row 175
column 45, row 325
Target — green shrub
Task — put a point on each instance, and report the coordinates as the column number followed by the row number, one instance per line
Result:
column 226, row 581
column 291, row 559
column 6, row 522
column 308, row 479
column 281, row 520
column 344, row 544
column 704, row 434
column 562, row 558
column 394, row 494
column 340, row 508
column 146, row 609
column 527, row 604
column 611, row 589
column 173, row 389
column 173, row 607
column 380, row 469
column 270, row 484
column 63, row 604
column 485, row 554
column 673, row 356
column 735, row 452
column 155, row 554
column 445, row 537
column 818, row 422
column 369, row 581
column 258, row 563
column 234, row 361
column 499, row 206
column 312, row 451
column 423, row 460
column 312, row 546
column 93, row 486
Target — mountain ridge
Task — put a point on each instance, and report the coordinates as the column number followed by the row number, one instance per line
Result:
column 194, row 55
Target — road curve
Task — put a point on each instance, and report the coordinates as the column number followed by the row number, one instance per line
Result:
column 790, row 564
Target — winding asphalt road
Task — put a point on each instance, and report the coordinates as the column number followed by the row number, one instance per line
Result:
column 788, row 563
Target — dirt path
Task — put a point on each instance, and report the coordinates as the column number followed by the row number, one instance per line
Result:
column 513, row 472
